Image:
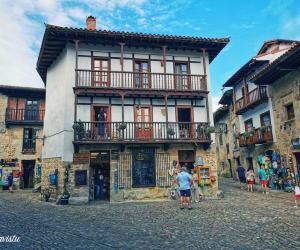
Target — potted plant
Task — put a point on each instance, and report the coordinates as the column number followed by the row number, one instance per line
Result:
column 64, row 199
column 122, row 126
column 78, row 128
column 210, row 130
column 170, row 131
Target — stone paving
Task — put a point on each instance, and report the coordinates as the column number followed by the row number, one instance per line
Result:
column 241, row 220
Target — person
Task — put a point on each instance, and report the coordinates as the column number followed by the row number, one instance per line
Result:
column 10, row 182
column 250, row 179
column 297, row 194
column 99, row 182
column 102, row 123
column 241, row 173
column 184, row 180
column 263, row 179
column 195, row 187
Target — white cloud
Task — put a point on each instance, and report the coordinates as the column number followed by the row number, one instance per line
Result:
column 215, row 102
column 22, row 27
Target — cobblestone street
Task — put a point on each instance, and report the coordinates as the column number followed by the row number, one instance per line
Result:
column 241, row 221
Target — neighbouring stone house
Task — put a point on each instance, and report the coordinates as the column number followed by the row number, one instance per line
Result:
column 21, row 132
column 227, row 127
column 129, row 105
column 253, row 105
column 283, row 78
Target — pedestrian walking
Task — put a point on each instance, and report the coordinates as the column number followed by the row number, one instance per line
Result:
column 195, row 187
column 250, row 179
column 10, row 181
column 184, row 180
column 241, row 173
column 99, row 183
column 297, row 194
column 263, row 179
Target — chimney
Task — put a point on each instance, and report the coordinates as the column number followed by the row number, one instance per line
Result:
column 91, row 23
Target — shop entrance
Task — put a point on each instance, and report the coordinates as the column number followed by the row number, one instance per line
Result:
column 28, row 173
column 99, row 181
column 297, row 156
column 250, row 163
column 186, row 158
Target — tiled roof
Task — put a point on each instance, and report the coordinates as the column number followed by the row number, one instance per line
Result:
column 279, row 67
column 56, row 37
column 245, row 70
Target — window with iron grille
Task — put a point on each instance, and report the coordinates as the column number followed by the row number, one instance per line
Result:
column 163, row 179
column 143, row 167
column 124, row 170
column 29, row 140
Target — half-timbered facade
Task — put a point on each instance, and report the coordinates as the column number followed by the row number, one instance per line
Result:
column 21, row 131
column 127, row 104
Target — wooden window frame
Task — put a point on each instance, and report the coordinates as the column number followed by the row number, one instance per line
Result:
column 261, row 116
column 188, row 75
column 33, row 149
column 287, row 113
column 108, row 68
column 245, row 122
column 135, row 60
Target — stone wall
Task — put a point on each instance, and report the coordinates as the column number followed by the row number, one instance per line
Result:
column 230, row 137
column 153, row 193
column 49, row 167
column 11, row 140
column 283, row 92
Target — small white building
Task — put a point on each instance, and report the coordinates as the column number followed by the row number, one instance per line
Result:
column 129, row 105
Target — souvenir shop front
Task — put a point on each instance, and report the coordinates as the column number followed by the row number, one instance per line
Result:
column 7, row 167
column 280, row 170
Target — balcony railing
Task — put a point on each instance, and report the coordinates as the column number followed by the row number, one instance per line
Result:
column 29, row 146
column 141, row 132
column 251, row 99
column 257, row 136
column 24, row 116
column 140, row 81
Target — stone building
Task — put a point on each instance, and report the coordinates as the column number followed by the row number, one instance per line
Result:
column 21, row 131
column 129, row 105
column 253, row 105
column 227, row 127
column 283, row 78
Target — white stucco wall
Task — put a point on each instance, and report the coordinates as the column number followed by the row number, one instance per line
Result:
column 59, row 115
column 254, row 114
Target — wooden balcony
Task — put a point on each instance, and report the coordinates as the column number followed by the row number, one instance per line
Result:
column 24, row 116
column 141, row 132
column 257, row 136
column 140, row 82
column 250, row 100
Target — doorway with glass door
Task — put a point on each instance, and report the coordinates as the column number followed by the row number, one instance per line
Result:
column 142, row 74
column 143, row 122
column 185, row 119
column 101, row 76
column 32, row 110
column 181, row 75
column 101, row 119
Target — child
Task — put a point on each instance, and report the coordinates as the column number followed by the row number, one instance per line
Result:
column 297, row 194
column 250, row 179
column 263, row 179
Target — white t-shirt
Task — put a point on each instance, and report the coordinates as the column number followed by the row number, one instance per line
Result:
column 297, row 190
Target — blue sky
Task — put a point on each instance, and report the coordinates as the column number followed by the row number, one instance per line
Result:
column 247, row 23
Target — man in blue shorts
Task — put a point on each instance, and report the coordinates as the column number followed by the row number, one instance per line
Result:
column 184, row 180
